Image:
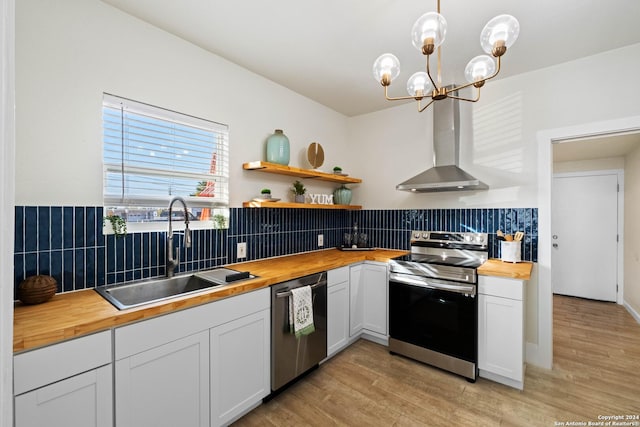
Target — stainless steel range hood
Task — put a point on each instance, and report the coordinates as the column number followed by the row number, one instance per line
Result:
column 446, row 175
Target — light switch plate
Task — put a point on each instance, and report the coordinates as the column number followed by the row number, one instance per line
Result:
column 242, row 250
column 320, row 239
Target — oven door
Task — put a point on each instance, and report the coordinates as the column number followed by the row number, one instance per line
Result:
column 434, row 314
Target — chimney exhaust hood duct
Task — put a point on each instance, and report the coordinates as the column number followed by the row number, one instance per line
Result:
column 446, row 175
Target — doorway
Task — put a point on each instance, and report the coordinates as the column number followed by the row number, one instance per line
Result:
column 541, row 353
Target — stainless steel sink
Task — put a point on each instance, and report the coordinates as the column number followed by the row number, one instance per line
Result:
column 148, row 291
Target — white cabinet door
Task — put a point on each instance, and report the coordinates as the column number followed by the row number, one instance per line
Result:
column 374, row 285
column 84, row 400
column 500, row 339
column 240, row 366
column 165, row 386
column 337, row 317
column 356, row 300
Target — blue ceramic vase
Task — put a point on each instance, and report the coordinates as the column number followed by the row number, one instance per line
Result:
column 278, row 148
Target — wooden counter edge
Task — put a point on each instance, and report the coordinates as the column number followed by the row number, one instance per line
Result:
column 496, row 267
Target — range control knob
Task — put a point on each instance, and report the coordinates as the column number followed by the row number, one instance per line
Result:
column 425, row 235
column 416, row 235
column 479, row 238
column 468, row 238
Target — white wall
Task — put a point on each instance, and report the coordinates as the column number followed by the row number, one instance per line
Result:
column 632, row 231
column 69, row 52
column 7, row 165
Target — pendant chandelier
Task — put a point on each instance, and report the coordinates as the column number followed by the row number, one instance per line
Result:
column 428, row 34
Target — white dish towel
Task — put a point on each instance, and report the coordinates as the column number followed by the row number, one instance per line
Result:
column 301, row 311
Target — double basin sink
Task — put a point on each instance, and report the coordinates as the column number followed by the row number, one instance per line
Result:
column 149, row 291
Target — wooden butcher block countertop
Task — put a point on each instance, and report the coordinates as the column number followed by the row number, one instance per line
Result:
column 73, row 314
column 495, row 267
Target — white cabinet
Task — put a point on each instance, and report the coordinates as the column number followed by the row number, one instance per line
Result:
column 368, row 287
column 202, row 366
column 84, row 400
column 374, row 278
column 65, row 385
column 165, row 386
column 501, row 330
column 337, row 310
column 240, row 366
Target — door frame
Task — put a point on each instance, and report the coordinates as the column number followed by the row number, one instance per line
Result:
column 7, row 203
column 620, row 226
column 541, row 354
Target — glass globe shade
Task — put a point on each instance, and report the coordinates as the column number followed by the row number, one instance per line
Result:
column 502, row 27
column 430, row 25
column 419, row 82
column 386, row 64
column 479, row 68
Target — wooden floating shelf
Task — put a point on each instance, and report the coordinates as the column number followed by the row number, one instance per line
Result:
column 287, row 205
column 299, row 173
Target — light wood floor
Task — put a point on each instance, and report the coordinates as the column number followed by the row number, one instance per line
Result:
column 596, row 372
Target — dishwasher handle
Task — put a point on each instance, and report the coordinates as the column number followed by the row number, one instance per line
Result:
column 284, row 294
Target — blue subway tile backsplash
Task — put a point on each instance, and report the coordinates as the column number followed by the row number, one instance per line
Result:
column 67, row 242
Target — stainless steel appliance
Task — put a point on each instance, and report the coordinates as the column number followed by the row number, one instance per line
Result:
column 291, row 356
column 433, row 309
column 446, row 174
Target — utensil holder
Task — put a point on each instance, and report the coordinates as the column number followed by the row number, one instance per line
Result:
column 511, row 251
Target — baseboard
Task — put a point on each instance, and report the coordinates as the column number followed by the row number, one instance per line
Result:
column 502, row 380
column 630, row 309
column 376, row 338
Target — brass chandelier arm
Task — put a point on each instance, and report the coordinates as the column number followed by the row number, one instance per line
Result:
column 435, row 94
column 420, row 110
column 400, row 98
column 466, row 99
column 435, row 86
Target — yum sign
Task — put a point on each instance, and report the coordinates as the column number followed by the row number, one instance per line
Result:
column 321, row 199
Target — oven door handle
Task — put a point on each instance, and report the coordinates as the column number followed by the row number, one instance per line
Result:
column 467, row 290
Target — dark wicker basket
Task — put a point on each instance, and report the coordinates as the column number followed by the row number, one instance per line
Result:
column 37, row 289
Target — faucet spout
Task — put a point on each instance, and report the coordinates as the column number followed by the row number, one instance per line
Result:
column 172, row 262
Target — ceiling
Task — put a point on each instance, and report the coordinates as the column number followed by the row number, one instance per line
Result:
column 596, row 148
column 325, row 49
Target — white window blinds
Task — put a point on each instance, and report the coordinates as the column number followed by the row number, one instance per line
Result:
column 152, row 154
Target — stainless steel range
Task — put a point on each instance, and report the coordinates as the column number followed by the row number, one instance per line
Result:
column 433, row 309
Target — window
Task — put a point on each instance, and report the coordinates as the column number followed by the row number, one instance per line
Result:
column 151, row 155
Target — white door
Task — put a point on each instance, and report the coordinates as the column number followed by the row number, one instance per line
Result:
column 584, row 237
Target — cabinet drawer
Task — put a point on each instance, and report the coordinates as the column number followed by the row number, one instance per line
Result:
column 47, row 365
column 337, row 275
column 501, row 287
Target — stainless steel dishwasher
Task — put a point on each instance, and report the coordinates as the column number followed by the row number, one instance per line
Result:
column 291, row 357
